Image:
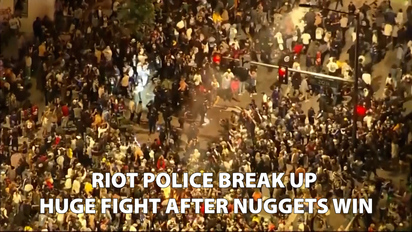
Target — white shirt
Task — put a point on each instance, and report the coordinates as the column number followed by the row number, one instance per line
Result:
column 59, row 77
column 130, row 72
column 374, row 38
column 226, row 79
column 344, row 22
column 189, row 33
column 407, row 78
column 180, row 24
column 235, row 43
column 16, row 198
column 108, row 54
column 319, row 33
column 70, row 171
column 399, row 18
column 232, row 33
column 206, row 47
column 395, row 31
column 197, row 79
column 3, row 212
column 14, row 23
column 387, row 31
column 332, row 67
column 353, row 36
column 76, row 186
column 265, row 98
column 68, row 183
column 100, row 131
column 279, row 38
column 389, row 81
column 296, row 65
column 368, row 120
column 366, row 77
column 305, row 38
column 230, row 75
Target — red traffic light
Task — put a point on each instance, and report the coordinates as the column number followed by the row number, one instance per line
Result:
column 360, row 110
column 216, row 58
column 282, row 71
column 283, row 75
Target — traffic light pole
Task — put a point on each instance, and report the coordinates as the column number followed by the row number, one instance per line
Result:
column 356, row 85
column 321, row 75
column 303, row 72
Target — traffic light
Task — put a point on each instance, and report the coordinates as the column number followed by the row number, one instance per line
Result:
column 361, row 110
column 216, row 58
column 283, row 75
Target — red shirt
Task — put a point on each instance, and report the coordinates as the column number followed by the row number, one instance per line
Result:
column 34, row 110
column 202, row 209
column 318, row 58
column 115, row 107
column 161, row 164
column 230, row 207
column 57, row 141
column 43, row 158
column 65, row 111
column 234, row 85
column 49, row 184
column 235, row 53
column 202, row 89
column 298, row 48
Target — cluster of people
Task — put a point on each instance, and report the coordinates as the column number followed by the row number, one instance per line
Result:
column 101, row 86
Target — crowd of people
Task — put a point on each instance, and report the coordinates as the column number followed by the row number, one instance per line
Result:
column 98, row 82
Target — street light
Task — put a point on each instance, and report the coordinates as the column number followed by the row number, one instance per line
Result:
column 356, row 77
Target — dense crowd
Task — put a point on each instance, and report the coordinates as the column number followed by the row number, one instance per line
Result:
column 100, row 84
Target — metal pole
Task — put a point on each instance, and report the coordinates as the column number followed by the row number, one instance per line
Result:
column 296, row 70
column 356, row 84
column 304, row 72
